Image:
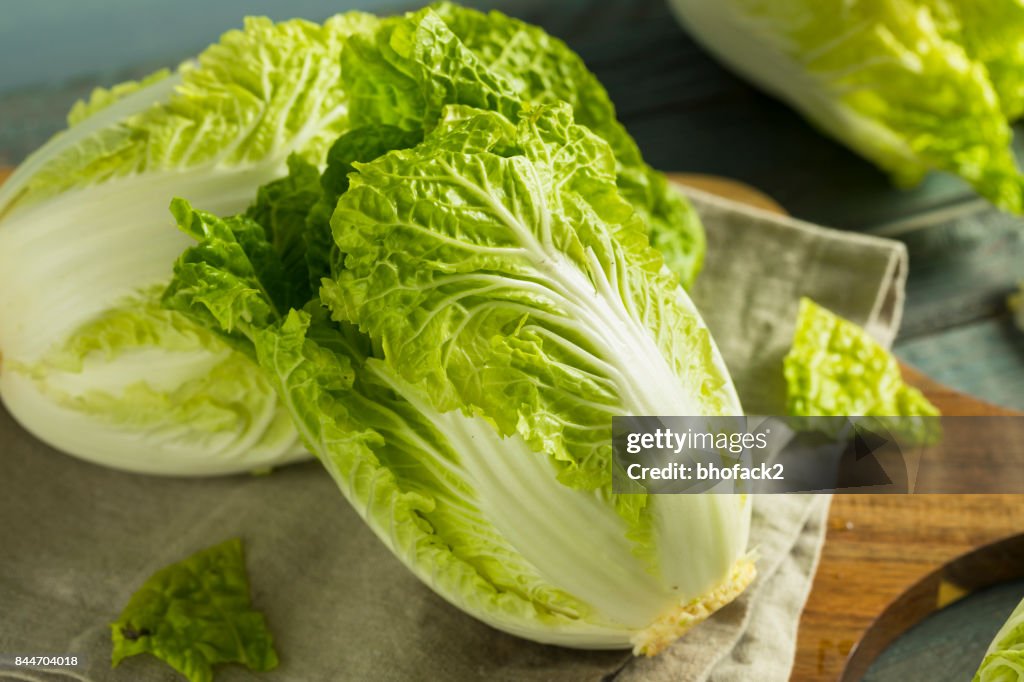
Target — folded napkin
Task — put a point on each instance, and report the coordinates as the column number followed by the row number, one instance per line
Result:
column 78, row 539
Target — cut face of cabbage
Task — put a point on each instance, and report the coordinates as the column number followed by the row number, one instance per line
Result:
column 493, row 301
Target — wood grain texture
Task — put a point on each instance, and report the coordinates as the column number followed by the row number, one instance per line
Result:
column 727, row 188
column 962, row 642
column 879, row 546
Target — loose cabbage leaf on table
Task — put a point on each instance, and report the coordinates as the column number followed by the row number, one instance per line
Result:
column 196, row 614
column 835, row 369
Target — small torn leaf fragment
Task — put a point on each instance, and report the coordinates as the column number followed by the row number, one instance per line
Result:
column 195, row 614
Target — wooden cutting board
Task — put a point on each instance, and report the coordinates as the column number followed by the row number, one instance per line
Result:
column 880, row 546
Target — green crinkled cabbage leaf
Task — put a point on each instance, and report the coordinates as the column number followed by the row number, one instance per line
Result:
column 394, row 463
column 912, row 85
column 253, row 98
column 502, row 271
column 196, row 614
column 101, row 98
column 404, row 74
column 542, row 69
column 835, row 368
column 991, row 33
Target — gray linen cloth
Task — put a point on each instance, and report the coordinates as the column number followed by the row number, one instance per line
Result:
column 77, row 539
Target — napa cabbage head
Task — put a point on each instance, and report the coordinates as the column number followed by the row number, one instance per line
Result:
column 489, row 303
column 912, row 85
column 91, row 364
